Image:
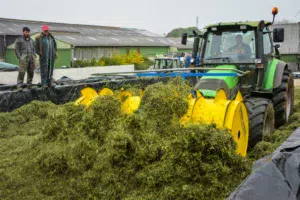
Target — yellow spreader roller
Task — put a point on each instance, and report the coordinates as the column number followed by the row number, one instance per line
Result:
column 130, row 103
column 229, row 114
column 224, row 113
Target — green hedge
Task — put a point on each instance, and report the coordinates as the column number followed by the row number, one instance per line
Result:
column 133, row 57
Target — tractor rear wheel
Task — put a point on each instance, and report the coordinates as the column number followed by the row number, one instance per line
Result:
column 283, row 99
column 261, row 119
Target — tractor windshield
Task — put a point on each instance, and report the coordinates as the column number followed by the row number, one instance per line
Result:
column 166, row 63
column 230, row 47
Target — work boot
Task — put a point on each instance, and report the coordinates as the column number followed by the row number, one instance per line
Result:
column 51, row 85
column 29, row 86
column 44, row 84
column 19, row 86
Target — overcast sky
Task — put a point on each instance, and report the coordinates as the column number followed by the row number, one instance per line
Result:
column 159, row 16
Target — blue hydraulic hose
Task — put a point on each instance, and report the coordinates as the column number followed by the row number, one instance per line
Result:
column 175, row 74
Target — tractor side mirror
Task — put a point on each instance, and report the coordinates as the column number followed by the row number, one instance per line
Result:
column 278, row 35
column 184, row 39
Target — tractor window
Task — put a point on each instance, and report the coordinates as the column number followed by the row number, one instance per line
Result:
column 267, row 43
column 163, row 64
column 230, row 47
column 157, row 64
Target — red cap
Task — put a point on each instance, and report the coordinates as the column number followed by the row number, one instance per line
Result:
column 45, row 28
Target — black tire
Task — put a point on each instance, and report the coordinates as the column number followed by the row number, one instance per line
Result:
column 283, row 99
column 261, row 119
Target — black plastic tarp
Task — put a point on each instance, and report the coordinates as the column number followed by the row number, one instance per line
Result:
column 8, row 67
column 12, row 99
column 274, row 177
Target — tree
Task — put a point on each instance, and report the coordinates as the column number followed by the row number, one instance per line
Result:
column 179, row 31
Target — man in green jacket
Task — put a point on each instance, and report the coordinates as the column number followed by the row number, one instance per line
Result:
column 45, row 46
column 25, row 52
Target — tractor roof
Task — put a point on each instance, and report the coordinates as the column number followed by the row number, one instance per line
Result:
column 248, row 23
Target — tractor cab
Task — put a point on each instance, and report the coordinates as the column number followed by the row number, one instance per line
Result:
column 166, row 63
column 245, row 46
column 229, row 45
column 240, row 44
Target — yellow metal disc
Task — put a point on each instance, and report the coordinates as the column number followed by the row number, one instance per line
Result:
column 237, row 122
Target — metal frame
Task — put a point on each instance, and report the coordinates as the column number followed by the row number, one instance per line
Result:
column 239, row 72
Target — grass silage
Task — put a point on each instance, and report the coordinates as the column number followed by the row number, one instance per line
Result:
column 65, row 152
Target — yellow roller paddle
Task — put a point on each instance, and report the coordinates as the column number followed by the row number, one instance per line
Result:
column 88, row 95
column 106, row 91
column 186, row 118
column 131, row 104
column 123, row 95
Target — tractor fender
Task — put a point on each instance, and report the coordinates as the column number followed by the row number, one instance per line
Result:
column 279, row 73
column 274, row 73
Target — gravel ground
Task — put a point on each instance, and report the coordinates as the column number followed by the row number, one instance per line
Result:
column 297, row 82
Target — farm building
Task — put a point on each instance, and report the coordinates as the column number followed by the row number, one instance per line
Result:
column 290, row 48
column 87, row 41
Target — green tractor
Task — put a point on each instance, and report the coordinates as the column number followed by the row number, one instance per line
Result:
column 267, row 84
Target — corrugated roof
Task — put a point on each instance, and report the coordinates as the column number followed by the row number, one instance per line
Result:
column 82, row 40
column 14, row 27
column 89, row 35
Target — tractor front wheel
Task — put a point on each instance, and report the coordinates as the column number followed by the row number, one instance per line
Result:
column 283, row 99
column 261, row 119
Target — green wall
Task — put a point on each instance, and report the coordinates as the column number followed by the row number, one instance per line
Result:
column 185, row 50
column 290, row 57
column 64, row 58
column 10, row 57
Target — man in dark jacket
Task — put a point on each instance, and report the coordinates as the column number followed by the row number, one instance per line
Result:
column 242, row 49
column 25, row 52
column 45, row 46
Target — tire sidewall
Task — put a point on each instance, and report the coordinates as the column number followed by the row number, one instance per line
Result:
column 289, row 94
column 269, row 120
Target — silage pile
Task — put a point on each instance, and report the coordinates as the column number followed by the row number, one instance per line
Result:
column 68, row 152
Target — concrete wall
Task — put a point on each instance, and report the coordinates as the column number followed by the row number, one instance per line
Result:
column 73, row 73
